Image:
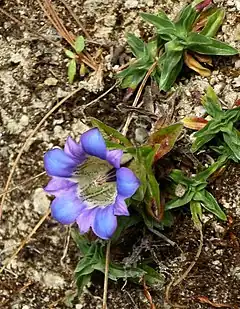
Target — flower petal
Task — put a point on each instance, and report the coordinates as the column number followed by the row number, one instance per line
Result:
column 94, row 144
column 58, row 186
column 66, row 208
column 127, row 182
column 114, row 157
column 58, row 163
column 120, row 207
column 74, row 150
column 85, row 220
column 105, row 222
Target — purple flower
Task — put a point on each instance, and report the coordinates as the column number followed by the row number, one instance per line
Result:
column 89, row 185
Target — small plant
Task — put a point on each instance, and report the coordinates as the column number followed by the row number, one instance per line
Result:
column 221, row 127
column 187, row 40
column 106, row 185
column 75, row 57
column 193, row 190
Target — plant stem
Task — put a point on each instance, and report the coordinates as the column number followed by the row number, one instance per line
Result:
column 105, row 290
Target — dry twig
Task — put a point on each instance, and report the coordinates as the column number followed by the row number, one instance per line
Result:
column 135, row 102
column 105, row 290
column 26, row 143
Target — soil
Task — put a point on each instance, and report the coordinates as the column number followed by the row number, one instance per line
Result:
column 33, row 79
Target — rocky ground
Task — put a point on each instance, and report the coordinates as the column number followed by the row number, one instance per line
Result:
column 32, row 80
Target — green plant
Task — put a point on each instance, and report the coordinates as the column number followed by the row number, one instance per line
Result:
column 79, row 46
column 193, row 190
column 221, row 127
column 188, row 39
column 93, row 260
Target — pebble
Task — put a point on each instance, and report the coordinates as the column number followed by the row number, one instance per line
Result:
column 237, row 64
column 53, row 280
column 237, row 3
column 41, row 202
column 24, row 121
column 218, row 88
column 141, row 135
column 131, row 4
column 51, row 81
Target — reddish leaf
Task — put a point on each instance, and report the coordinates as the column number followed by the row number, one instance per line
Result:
column 202, row 5
column 195, row 123
column 205, row 300
column 165, row 138
column 193, row 64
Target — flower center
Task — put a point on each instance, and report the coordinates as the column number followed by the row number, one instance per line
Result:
column 96, row 180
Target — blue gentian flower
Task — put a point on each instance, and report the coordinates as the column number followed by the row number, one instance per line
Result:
column 89, row 185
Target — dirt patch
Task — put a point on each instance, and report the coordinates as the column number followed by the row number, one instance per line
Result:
column 32, row 80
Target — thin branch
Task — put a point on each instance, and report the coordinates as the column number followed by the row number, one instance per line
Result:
column 17, row 21
column 135, row 102
column 104, row 306
column 27, row 142
column 185, row 274
column 22, row 183
column 26, row 240
column 76, row 19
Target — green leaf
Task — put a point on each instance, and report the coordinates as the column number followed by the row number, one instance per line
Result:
column 79, row 44
column 132, row 81
column 186, row 19
column 204, row 175
column 180, row 201
column 232, row 139
column 117, row 271
column 206, row 134
column 214, row 21
column 72, row 69
column 211, row 103
column 152, row 197
column 137, row 45
column 210, row 204
column 152, row 277
column 81, row 241
column 170, row 64
column 205, row 45
column 123, row 224
column 82, row 281
column 179, row 178
column 70, row 54
column 196, row 212
column 163, row 24
column 110, row 133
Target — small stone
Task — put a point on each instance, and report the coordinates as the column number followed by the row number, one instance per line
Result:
column 51, row 81
column 61, row 93
column 199, row 111
column 236, row 82
column 53, row 280
column 24, row 121
column 237, row 3
column 141, row 135
column 237, row 64
column 16, row 58
column 41, row 202
column 131, row 4
column 218, row 88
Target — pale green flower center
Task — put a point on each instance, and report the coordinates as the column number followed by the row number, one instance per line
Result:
column 96, row 182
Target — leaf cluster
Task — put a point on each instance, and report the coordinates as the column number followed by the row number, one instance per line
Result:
column 175, row 42
column 193, row 190
column 221, row 126
column 79, row 46
column 93, row 260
